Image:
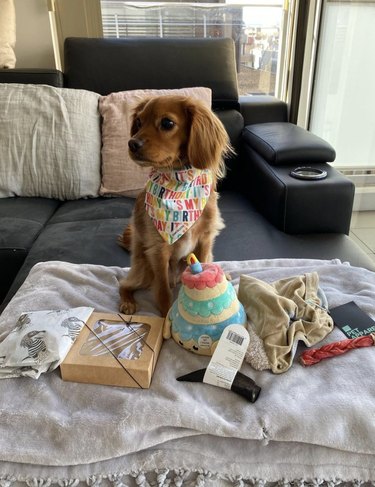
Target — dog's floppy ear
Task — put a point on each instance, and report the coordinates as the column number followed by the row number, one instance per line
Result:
column 208, row 140
column 137, row 109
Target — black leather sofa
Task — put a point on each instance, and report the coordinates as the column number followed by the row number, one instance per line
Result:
column 268, row 214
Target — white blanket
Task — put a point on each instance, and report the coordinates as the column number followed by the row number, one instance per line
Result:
column 54, row 423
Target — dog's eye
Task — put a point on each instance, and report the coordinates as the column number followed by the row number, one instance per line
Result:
column 167, row 124
column 137, row 123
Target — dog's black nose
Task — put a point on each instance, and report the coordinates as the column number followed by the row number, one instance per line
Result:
column 135, row 145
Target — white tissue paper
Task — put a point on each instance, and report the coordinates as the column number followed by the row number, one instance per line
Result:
column 40, row 341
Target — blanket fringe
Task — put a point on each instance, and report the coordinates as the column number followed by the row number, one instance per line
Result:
column 175, row 478
column 68, row 482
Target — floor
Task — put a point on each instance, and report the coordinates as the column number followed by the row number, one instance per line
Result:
column 362, row 231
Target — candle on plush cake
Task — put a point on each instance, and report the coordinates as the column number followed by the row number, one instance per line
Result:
column 195, row 265
column 206, row 304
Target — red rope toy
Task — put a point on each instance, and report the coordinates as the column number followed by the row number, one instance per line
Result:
column 311, row 357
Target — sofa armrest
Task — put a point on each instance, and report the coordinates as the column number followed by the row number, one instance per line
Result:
column 293, row 205
column 262, row 108
column 52, row 77
column 286, row 143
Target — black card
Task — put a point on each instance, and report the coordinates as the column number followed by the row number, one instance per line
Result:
column 352, row 320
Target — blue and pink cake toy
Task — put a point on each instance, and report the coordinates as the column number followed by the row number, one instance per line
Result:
column 206, row 304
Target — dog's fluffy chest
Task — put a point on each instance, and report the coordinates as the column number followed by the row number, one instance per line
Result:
column 184, row 246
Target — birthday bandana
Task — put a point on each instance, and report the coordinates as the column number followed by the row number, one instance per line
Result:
column 175, row 199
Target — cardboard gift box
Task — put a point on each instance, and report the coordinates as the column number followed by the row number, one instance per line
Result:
column 116, row 350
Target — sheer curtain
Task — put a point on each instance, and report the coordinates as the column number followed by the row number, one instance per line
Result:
column 7, row 34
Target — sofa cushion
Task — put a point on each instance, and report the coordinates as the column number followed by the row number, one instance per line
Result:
column 49, row 142
column 248, row 235
column 233, row 123
column 285, row 143
column 81, row 231
column 93, row 210
column 21, row 221
column 120, row 175
column 86, row 231
column 109, row 65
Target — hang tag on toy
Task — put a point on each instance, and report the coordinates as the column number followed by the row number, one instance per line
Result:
column 228, row 357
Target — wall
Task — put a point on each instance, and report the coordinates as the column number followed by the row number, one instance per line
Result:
column 76, row 18
column 34, row 48
column 34, row 45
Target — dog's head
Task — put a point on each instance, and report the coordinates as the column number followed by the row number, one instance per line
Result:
column 172, row 131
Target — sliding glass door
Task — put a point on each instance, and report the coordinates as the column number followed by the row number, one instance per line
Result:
column 343, row 99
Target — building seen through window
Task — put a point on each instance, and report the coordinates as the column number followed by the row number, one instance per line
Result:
column 255, row 28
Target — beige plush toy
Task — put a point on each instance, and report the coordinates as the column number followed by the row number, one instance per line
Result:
column 280, row 315
column 7, row 34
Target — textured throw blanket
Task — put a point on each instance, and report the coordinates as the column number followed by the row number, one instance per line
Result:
column 329, row 407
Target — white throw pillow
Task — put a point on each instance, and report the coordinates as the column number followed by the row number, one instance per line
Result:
column 50, row 142
column 120, row 175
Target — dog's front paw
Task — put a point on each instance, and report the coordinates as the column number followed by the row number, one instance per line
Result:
column 128, row 307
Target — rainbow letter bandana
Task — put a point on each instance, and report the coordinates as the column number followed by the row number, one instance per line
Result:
column 175, row 199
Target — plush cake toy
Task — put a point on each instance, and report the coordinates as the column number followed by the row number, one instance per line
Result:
column 206, row 304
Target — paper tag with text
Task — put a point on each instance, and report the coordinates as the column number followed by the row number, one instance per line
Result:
column 228, row 357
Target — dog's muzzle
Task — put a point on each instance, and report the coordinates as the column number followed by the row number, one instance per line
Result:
column 135, row 145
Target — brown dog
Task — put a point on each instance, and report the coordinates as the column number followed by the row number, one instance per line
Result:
column 178, row 137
